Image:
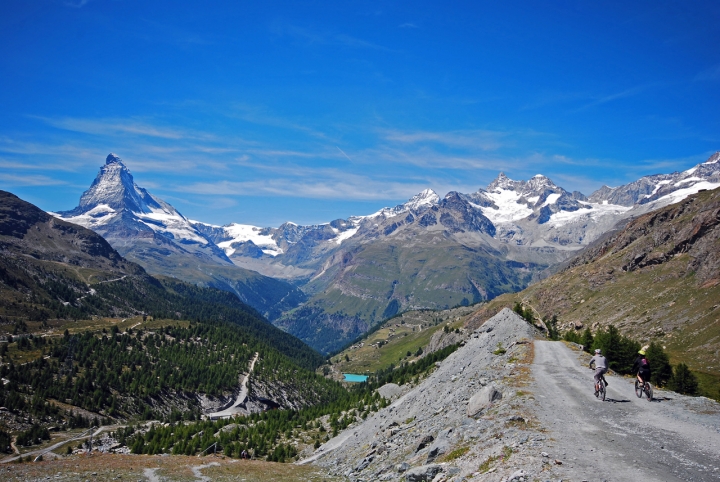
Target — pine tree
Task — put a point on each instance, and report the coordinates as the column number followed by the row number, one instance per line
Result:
column 661, row 370
column 586, row 340
column 683, row 380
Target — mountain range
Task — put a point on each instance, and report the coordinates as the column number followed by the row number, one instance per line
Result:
column 429, row 252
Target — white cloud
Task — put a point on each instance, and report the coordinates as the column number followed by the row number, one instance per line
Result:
column 39, row 180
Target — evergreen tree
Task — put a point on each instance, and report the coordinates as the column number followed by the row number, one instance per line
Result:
column 586, row 340
column 619, row 350
column 553, row 332
column 661, row 370
column 683, row 380
column 571, row 336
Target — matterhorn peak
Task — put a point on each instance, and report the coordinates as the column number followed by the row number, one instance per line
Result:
column 112, row 158
column 115, row 189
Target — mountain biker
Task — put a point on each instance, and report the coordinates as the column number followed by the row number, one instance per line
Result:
column 601, row 367
column 642, row 366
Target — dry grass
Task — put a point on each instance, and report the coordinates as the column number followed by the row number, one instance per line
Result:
column 106, row 467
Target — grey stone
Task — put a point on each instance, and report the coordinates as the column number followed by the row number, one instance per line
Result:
column 424, row 473
column 482, row 400
column 403, row 467
column 391, row 391
column 363, row 464
column 517, row 475
column 424, row 441
column 438, row 448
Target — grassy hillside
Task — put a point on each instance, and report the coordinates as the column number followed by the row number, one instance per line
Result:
column 655, row 280
column 390, row 343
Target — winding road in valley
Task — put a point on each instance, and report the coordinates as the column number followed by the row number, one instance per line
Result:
column 234, row 409
column 672, row 438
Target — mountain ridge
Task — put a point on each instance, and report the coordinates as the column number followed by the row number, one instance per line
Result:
column 436, row 252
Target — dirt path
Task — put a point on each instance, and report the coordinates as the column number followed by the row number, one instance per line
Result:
column 242, row 396
column 47, row 450
column 624, row 438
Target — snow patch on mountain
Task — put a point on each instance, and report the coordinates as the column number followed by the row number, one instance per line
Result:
column 345, row 235
column 242, row 233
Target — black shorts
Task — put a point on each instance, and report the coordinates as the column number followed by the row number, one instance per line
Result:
column 645, row 375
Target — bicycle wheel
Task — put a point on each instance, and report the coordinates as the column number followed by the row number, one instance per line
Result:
column 602, row 391
column 638, row 389
column 649, row 391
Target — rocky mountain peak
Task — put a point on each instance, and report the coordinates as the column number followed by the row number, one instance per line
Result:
column 114, row 186
column 428, row 197
column 501, row 182
column 111, row 158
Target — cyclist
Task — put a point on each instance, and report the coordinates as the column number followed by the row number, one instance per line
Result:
column 642, row 366
column 601, row 366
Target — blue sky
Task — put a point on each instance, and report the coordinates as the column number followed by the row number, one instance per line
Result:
column 262, row 112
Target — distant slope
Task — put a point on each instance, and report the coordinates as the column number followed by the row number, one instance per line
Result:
column 658, row 278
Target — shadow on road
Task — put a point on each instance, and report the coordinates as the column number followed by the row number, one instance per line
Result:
column 612, row 400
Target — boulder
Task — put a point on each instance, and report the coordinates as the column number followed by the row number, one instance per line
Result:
column 390, row 391
column 424, row 473
column 424, row 441
column 482, row 400
column 438, row 448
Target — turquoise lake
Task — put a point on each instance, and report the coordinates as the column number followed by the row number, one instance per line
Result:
column 349, row 377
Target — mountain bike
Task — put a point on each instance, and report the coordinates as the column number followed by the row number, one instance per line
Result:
column 600, row 387
column 645, row 388
column 600, row 393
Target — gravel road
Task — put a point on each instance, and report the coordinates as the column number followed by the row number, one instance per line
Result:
column 624, row 438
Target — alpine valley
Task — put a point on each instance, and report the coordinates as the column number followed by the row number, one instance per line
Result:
column 329, row 283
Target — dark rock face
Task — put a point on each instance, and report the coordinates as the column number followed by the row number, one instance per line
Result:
column 423, row 473
column 428, row 219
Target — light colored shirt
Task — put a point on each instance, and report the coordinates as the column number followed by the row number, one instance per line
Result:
column 599, row 361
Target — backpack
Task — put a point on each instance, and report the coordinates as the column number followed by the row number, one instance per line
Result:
column 644, row 363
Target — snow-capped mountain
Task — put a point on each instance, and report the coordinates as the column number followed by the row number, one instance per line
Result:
column 114, row 198
column 149, row 231
column 665, row 188
column 425, row 199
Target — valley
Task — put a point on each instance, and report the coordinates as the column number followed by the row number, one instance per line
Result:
column 155, row 365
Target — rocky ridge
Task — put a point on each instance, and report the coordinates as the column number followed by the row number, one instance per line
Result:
column 470, row 413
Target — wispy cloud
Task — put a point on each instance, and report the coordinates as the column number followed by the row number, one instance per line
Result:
column 359, row 43
column 350, row 188
column 76, row 3
column 478, row 139
column 709, row 75
column 616, row 96
column 117, row 126
column 329, row 38
column 408, row 25
column 20, row 180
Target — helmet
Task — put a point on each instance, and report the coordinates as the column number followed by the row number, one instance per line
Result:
column 597, row 351
column 642, row 352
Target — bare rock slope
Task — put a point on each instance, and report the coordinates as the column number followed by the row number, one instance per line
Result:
column 470, row 411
